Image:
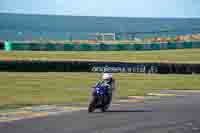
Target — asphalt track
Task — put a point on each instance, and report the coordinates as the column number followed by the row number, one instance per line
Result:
column 180, row 114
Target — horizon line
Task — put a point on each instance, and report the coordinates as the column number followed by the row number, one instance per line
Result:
column 43, row 14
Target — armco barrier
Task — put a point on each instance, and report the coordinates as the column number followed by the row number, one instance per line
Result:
column 68, row 47
column 102, row 47
column 195, row 44
column 187, row 45
column 84, row 66
column 138, row 47
column 155, row 46
column 171, row 45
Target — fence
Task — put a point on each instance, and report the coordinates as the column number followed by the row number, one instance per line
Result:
column 99, row 47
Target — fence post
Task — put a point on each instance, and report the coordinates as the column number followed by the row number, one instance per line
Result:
column 7, row 46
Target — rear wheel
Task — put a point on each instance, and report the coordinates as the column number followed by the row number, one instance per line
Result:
column 91, row 106
column 103, row 109
column 106, row 104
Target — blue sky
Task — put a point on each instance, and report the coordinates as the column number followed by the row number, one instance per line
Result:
column 121, row 8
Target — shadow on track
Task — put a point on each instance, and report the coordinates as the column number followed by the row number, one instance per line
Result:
column 128, row 111
column 125, row 111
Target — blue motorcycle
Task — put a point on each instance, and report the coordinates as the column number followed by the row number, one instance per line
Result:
column 100, row 98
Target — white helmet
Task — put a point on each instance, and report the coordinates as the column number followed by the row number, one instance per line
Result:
column 106, row 76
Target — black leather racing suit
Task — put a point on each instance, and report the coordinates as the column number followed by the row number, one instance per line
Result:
column 110, row 84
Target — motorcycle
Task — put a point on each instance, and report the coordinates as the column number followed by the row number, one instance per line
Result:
column 100, row 98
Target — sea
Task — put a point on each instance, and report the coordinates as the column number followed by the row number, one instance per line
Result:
column 54, row 27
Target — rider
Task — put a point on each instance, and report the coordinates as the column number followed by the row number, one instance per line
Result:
column 109, row 82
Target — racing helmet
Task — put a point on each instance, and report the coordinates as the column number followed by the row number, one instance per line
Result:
column 106, row 76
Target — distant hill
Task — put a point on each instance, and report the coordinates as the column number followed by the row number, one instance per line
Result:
column 92, row 24
column 13, row 24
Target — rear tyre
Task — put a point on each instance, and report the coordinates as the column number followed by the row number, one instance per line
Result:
column 104, row 108
column 106, row 105
column 91, row 106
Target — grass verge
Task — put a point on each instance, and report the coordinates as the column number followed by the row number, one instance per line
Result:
column 22, row 89
column 178, row 56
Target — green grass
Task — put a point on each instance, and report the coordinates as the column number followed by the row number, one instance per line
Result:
column 178, row 56
column 22, row 89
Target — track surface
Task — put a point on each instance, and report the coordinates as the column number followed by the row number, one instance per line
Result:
column 168, row 115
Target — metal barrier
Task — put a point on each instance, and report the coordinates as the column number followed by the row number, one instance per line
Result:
column 99, row 47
